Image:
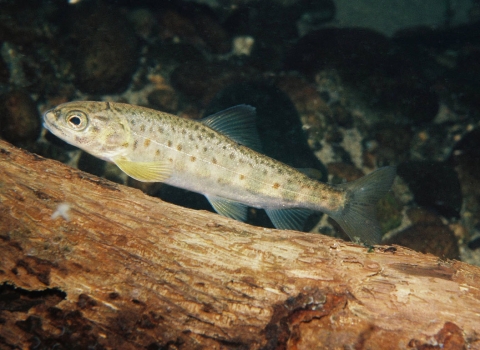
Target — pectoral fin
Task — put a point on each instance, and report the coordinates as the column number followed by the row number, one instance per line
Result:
column 229, row 208
column 145, row 171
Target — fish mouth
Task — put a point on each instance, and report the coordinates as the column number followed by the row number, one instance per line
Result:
column 49, row 123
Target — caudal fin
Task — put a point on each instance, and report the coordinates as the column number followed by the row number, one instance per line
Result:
column 357, row 218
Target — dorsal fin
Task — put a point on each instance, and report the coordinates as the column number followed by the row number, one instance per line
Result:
column 237, row 123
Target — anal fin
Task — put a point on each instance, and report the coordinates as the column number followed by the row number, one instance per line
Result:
column 229, row 208
column 289, row 219
column 157, row 171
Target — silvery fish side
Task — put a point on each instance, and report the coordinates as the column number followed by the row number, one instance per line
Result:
column 217, row 157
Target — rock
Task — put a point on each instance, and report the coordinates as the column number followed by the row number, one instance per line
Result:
column 394, row 142
column 173, row 54
column 465, row 157
column 19, row 118
column 24, row 22
column 201, row 80
column 303, row 94
column 370, row 63
column 389, row 212
column 194, row 24
column 275, row 26
column 434, row 185
column 353, row 51
column 165, row 100
column 343, row 172
column 427, row 235
column 104, row 49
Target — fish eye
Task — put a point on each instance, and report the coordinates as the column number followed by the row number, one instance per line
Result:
column 77, row 120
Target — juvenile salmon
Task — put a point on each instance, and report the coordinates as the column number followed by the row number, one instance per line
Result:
column 217, row 157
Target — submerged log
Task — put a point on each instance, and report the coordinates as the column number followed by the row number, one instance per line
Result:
column 122, row 270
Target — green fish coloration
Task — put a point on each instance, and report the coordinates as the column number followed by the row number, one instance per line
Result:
column 217, row 157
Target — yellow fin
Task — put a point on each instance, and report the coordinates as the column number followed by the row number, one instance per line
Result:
column 145, row 171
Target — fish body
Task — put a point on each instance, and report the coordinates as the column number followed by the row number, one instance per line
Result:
column 217, row 158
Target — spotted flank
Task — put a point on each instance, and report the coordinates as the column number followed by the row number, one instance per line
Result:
column 218, row 157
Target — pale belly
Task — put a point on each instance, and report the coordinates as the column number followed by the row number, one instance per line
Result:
column 233, row 191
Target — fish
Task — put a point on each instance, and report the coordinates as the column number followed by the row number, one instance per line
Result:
column 218, row 156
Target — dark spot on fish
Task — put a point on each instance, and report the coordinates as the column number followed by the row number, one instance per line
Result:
column 183, row 131
column 196, row 127
column 232, row 156
column 193, row 158
column 265, row 172
column 125, row 144
column 211, row 135
column 169, row 143
column 95, row 129
column 157, row 153
column 214, row 160
column 135, row 144
column 146, row 143
column 179, row 147
column 101, row 118
column 242, row 161
column 142, row 128
column 280, row 171
column 170, row 160
column 242, row 177
column 83, row 139
column 276, row 185
column 200, row 138
column 133, row 122
column 222, row 181
column 190, row 136
column 160, row 130
column 205, row 149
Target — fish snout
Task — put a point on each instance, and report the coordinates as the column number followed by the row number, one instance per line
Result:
column 50, row 120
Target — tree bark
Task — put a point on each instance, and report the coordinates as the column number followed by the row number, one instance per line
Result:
column 124, row 271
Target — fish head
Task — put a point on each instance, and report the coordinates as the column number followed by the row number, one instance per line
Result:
column 91, row 126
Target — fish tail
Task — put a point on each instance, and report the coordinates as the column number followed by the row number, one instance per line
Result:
column 357, row 217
